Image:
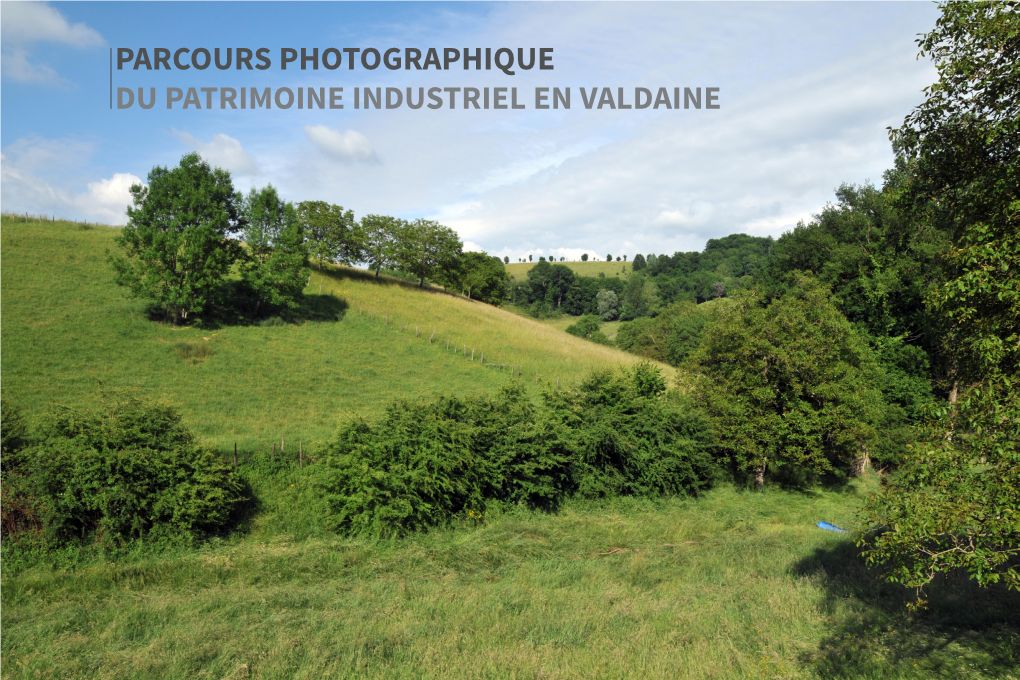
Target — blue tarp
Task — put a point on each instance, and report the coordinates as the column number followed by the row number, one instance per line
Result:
column 830, row 527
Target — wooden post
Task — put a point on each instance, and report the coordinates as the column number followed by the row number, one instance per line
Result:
column 416, row 331
column 282, row 442
column 300, row 455
column 472, row 354
column 431, row 337
column 483, row 358
column 273, row 455
column 557, row 383
column 235, row 455
column 536, row 377
column 447, row 344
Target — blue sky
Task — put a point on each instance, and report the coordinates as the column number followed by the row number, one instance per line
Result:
column 806, row 93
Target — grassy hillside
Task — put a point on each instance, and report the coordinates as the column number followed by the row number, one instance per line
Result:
column 519, row 270
column 70, row 335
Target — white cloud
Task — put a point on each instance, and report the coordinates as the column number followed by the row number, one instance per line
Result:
column 28, row 22
column 15, row 65
column 343, row 146
column 25, row 23
column 37, row 177
column 222, row 151
column 108, row 199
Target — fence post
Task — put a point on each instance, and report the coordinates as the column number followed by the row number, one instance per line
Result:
column 483, row 358
column 416, row 331
column 557, row 383
column 282, row 442
column 431, row 337
column 273, row 455
column 472, row 354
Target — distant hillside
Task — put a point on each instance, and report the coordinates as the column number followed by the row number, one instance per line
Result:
column 70, row 335
column 519, row 270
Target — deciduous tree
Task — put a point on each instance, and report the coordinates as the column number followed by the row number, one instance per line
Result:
column 424, row 247
column 332, row 233
column 176, row 246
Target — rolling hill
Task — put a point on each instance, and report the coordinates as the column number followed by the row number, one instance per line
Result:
column 71, row 336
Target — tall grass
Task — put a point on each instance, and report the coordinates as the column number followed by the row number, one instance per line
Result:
column 734, row 584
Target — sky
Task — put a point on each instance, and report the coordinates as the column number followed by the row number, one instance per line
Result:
column 806, row 92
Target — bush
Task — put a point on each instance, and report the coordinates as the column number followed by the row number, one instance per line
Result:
column 414, row 470
column 127, row 471
column 625, row 443
column 587, row 327
column 429, row 462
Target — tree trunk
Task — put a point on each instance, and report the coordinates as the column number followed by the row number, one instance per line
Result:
column 759, row 475
column 862, row 462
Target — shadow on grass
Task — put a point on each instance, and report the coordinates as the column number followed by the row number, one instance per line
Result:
column 965, row 629
column 235, row 307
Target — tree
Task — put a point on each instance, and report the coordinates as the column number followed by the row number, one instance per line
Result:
column 639, row 262
column 175, row 243
column 424, row 247
column 379, row 240
column 332, row 233
column 608, row 305
column 483, row 278
column 506, row 259
column 609, row 258
column 529, row 257
column 956, row 502
column 789, row 383
column 584, row 257
column 276, row 268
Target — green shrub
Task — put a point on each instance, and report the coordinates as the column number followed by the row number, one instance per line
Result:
column 272, row 322
column 128, row 471
column 626, row 443
column 413, row 471
column 426, row 463
column 530, row 455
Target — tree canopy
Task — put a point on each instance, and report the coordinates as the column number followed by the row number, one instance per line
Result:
column 176, row 246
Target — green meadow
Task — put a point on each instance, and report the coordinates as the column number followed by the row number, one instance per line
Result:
column 70, row 335
column 732, row 584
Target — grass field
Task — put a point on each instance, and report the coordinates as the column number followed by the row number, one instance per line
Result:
column 732, row 585
column 519, row 270
column 71, row 336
